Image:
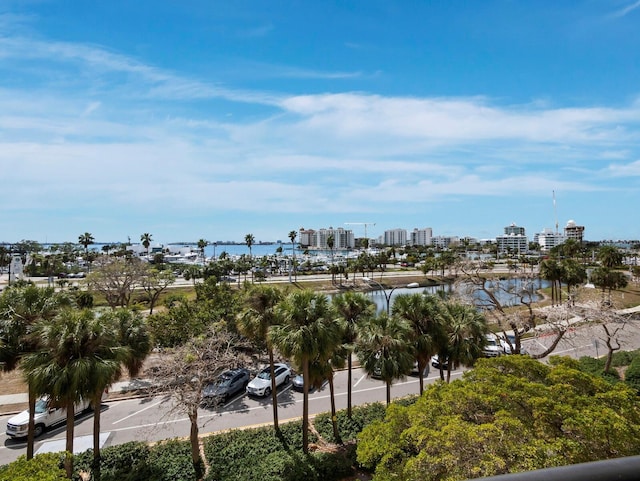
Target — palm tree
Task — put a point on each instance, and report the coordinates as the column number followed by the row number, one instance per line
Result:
column 250, row 240
column 86, row 240
column 330, row 244
column 465, row 328
column 254, row 321
column 421, row 313
column 202, row 243
column 385, row 348
column 78, row 359
column 610, row 257
column 308, row 327
column 551, row 271
column 130, row 330
column 353, row 308
column 146, row 239
column 20, row 309
column 292, row 236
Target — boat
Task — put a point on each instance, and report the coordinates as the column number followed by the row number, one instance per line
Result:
column 413, row 285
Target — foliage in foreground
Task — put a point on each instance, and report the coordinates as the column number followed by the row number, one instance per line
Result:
column 136, row 461
column 507, row 415
column 43, row 467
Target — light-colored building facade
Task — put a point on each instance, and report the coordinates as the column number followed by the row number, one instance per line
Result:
column 395, row 237
column 548, row 239
column 513, row 240
column 318, row 239
column 443, row 242
column 421, row 237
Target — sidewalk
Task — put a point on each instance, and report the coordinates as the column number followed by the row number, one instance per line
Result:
column 118, row 390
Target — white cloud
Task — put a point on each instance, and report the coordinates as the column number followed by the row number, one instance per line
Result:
column 626, row 10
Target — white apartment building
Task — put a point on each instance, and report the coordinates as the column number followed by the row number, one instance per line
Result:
column 443, row 242
column 547, row 239
column 421, row 237
column 514, row 239
column 395, row 237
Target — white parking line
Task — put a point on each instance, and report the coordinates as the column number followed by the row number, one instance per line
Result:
column 137, row 412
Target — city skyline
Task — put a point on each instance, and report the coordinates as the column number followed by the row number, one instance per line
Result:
column 213, row 120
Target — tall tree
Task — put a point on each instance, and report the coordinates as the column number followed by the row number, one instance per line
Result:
column 354, row 308
column 20, row 309
column 86, row 240
column 465, row 329
column 610, row 257
column 249, row 240
column 292, row 237
column 421, row 312
column 308, row 325
column 77, row 360
column 551, row 270
column 146, row 239
column 384, row 346
column 255, row 319
column 330, row 245
column 202, row 243
column 187, row 369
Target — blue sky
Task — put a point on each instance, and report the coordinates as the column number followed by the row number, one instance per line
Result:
column 214, row 119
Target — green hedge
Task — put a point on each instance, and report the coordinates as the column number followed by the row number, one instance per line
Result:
column 43, row 467
column 349, row 428
column 136, row 461
column 632, row 375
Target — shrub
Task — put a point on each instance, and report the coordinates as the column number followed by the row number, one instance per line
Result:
column 349, row 428
column 43, row 467
column 124, row 462
column 632, row 375
column 172, row 461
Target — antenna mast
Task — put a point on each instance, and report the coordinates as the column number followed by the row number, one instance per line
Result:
column 555, row 210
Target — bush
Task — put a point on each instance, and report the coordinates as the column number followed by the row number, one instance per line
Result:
column 171, row 460
column 124, row 462
column 349, row 428
column 136, row 461
column 43, row 467
column 632, row 375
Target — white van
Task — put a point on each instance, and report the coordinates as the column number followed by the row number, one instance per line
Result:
column 45, row 417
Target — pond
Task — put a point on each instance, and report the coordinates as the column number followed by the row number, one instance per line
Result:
column 507, row 291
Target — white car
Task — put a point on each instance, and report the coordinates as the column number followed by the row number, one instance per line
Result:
column 45, row 417
column 261, row 384
column 492, row 347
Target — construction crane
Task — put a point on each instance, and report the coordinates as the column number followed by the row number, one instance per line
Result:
column 365, row 224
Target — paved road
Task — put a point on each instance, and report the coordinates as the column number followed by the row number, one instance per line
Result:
column 148, row 419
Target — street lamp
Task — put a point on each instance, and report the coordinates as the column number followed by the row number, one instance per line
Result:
column 387, row 296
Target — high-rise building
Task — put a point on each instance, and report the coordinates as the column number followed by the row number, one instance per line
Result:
column 574, row 231
column 342, row 238
column 395, row 237
column 548, row 239
column 514, row 240
column 421, row 237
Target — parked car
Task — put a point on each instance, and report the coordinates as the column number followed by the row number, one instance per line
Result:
column 492, row 346
column 298, row 383
column 509, row 344
column 435, row 362
column 228, row 384
column 261, row 384
column 45, row 417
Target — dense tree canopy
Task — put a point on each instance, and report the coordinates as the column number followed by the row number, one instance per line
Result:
column 509, row 414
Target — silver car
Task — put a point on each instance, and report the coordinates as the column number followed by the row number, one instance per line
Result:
column 261, row 384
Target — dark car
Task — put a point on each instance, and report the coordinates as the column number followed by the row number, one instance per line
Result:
column 228, row 384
